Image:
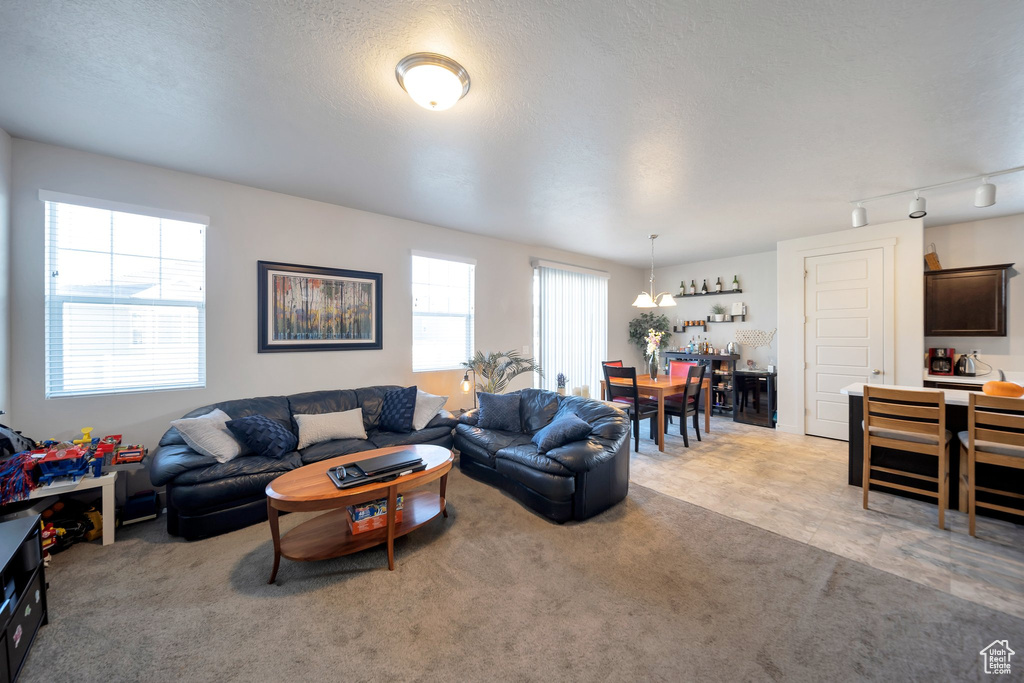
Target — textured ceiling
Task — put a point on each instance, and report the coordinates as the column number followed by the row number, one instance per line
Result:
column 725, row 126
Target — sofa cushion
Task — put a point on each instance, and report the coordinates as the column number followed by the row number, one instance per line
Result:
column 397, row 410
column 499, row 411
column 566, row 428
column 317, row 402
column 209, row 435
column 221, row 494
column 527, row 455
column 371, row 399
column 484, row 443
column 536, row 409
column 264, row 436
column 332, row 449
column 388, row 439
column 558, row 487
column 250, row 464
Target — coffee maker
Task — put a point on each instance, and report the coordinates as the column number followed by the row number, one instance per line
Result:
column 940, row 361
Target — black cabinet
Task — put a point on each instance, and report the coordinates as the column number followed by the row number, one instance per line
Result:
column 754, row 396
column 719, row 370
column 22, row 592
column 966, row 302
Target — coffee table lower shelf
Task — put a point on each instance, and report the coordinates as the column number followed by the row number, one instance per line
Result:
column 328, row 535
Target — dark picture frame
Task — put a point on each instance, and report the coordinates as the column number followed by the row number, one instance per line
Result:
column 311, row 308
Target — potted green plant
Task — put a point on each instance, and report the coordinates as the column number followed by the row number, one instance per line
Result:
column 718, row 313
column 561, row 379
column 639, row 326
column 495, row 370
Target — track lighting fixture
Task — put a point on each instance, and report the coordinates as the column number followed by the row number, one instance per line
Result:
column 917, row 209
column 860, row 216
column 985, row 195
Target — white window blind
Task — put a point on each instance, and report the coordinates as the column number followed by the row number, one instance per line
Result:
column 442, row 313
column 125, row 301
column 571, row 319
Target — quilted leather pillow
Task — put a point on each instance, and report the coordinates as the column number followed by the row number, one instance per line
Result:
column 264, row 436
column 499, row 411
column 564, row 429
column 397, row 410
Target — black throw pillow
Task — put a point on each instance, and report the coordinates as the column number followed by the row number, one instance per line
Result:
column 264, row 436
column 397, row 409
column 499, row 411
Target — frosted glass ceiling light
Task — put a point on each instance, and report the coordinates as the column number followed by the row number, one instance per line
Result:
column 433, row 81
column 985, row 195
column 860, row 216
column 650, row 299
column 917, row 209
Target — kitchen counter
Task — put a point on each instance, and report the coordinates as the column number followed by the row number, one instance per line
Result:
column 1011, row 376
column 954, row 397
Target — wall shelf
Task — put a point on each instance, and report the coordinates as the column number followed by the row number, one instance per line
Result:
column 698, row 294
column 680, row 330
column 732, row 319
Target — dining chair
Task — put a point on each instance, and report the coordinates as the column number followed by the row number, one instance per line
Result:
column 913, row 421
column 677, row 369
column 613, row 363
column 627, row 397
column 687, row 403
column 994, row 436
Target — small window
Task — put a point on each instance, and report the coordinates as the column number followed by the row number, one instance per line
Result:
column 125, row 300
column 442, row 313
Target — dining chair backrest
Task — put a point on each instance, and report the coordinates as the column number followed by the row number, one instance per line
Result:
column 918, row 411
column 995, row 419
column 679, row 368
column 613, row 363
column 694, row 378
column 620, row 389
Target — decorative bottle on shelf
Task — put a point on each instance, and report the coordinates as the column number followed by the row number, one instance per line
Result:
column 718, row 285
column 735, row 283
column 682, row 287
column 693, row 286
column 704, row 287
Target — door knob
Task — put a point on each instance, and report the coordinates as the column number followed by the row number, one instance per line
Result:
column 876, row 372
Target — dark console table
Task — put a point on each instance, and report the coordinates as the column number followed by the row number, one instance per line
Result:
column 719, row 371
column 23, row 600
column 754, row 397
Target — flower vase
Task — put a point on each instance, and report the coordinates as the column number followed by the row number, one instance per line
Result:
column 652, row 366
column 561, row 391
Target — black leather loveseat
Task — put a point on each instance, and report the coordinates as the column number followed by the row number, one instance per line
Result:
column 575, row 481
column 206, row 498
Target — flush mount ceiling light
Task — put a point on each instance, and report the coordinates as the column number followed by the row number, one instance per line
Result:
column 433, row 81
column 984, row 196
column 650, row 299
column 917, row 209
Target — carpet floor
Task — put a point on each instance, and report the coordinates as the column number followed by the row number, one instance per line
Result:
column 654, row 589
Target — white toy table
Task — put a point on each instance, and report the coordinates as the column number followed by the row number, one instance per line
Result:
column 105, row 481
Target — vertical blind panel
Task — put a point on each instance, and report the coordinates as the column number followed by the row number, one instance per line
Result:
column 442, row 313
column 572, row 320
column 125, row 302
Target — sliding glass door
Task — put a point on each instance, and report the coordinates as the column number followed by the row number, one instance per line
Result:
column 570, row 324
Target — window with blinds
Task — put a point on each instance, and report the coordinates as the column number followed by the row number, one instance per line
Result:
column 442, row 313
column 571, row 324
column 125, row 300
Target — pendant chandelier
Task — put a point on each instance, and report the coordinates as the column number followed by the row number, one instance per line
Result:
column 650, row 299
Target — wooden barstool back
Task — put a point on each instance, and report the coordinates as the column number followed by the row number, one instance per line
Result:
column 907, row 420
column 994, row 436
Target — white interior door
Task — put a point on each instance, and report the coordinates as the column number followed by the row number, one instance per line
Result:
column 844, row 334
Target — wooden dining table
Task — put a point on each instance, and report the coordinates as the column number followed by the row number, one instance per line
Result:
column 660, row 387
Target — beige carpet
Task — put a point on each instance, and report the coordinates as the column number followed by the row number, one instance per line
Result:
column 655, row 589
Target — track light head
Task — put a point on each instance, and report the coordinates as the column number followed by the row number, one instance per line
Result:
column 860, row 216
column 917, row 208
column 985, row 195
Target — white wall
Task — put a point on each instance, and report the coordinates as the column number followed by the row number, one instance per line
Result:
column 6, row 173
column 247, row 225
column 908, row 333
column 757, row 275
column 984, row 243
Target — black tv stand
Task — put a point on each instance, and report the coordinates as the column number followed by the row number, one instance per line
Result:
column 22, row 593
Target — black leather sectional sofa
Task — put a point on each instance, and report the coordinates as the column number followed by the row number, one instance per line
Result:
column 575, row 481
column 206, row 498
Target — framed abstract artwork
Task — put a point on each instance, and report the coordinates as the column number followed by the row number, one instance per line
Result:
column 306, row 308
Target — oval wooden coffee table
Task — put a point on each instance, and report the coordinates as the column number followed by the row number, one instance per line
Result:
column 309, row 488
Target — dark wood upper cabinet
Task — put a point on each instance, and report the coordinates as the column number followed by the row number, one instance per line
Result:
column 966, row 302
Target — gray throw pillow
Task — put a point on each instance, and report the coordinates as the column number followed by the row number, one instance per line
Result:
column 499, row 411
column 209, row 435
